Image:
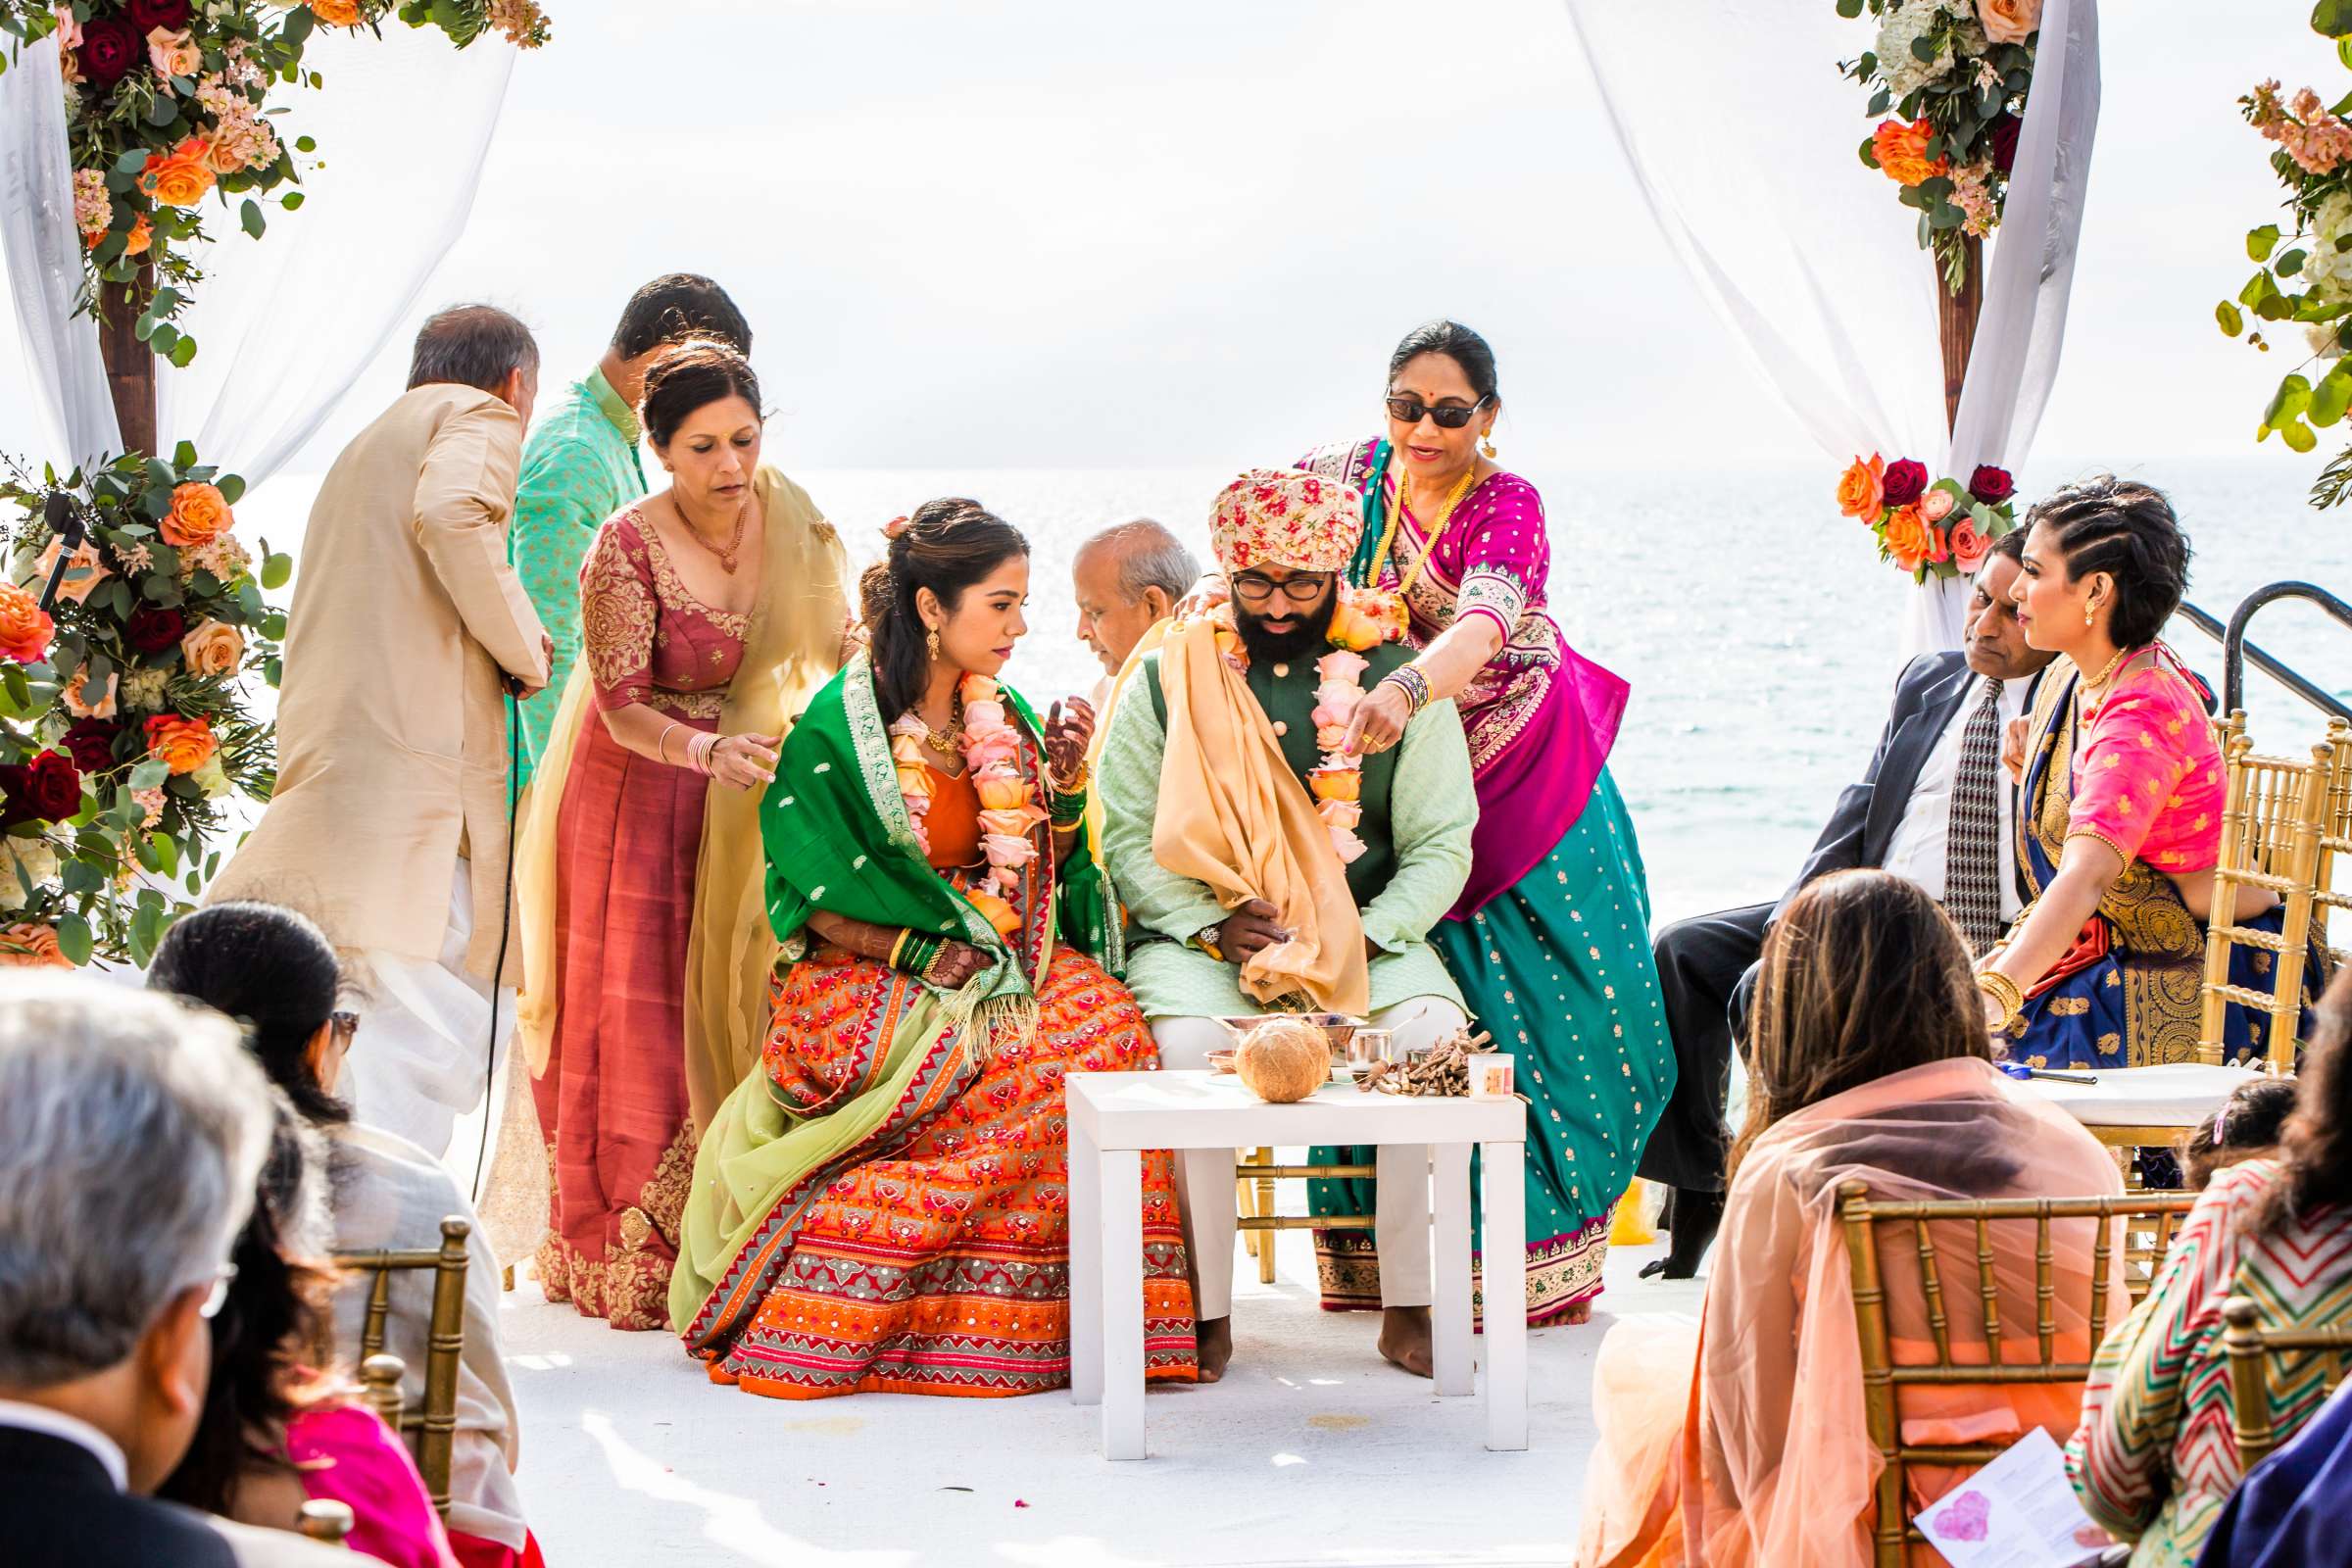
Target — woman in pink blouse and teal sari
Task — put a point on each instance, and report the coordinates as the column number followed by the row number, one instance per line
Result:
column 2123, row 788
column 1550, row 939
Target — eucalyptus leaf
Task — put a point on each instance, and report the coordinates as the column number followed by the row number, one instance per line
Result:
column 2331, row 19
column 149, row 775
column 249, row 214
column 2298, row 438
column 2331, row 397
column 232, row 488
column 183, row 456
column 1849, row 8
column 276, row 571
column 74, row 938
column 2259, row 242
column 2232, row 322
column 2289, row 262
column 292, row 201
column 184, row 352
column 2288, row 403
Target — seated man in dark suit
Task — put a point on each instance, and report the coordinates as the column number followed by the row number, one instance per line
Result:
column 132, row 1134
column 1935, row 806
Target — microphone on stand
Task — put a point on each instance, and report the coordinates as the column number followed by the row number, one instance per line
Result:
column 64, row 520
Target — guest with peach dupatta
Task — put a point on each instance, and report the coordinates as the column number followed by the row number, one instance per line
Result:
column 1870, row 1064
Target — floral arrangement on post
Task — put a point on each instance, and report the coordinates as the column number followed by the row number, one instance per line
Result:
column 1955, row 73
column 1942, row 529
column 2303, row 267
column 165, row 107
column 124, row 723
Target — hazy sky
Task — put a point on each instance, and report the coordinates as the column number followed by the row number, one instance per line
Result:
column 1045, row 234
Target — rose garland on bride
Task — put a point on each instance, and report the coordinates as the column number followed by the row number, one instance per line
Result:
column 1009, row 812
column 1955, row 73
column 125, row 728
column 1361, row 620
column 1942, row 529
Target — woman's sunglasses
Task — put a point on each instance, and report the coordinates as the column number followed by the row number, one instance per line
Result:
column 1405, row 409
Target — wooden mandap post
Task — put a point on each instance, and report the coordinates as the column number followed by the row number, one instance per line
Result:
column 1956, row 324
column 129, row 362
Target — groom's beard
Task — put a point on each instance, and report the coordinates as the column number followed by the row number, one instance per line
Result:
column 1305, row 637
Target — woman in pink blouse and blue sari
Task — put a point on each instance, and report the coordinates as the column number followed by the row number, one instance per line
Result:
column 2123, row 788
column 1550, row 939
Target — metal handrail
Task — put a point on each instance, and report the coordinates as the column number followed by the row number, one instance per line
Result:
column 2236, row 649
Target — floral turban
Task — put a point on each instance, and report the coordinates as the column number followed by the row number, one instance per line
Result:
column 1285, row 519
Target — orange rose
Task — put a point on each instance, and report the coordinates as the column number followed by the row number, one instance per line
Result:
column 77, row 695
column 1337, row 783
column 1862, row 489
column 2009, row 21
column 84, row 572
column 1903, row 151
column 182, row 179
column 173, row 54
column 336, row 12
column 199, row 512
column 1003, row 917
column 135, row 243
column 1909, row 538
column 25, row 626
column 1351, row 629
column 27, row 945
column 183, row 745
column 214, row 647
column 1002, row 794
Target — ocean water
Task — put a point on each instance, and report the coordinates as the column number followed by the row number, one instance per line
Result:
column 1760, row 632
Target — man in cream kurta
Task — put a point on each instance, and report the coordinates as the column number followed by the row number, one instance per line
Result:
column 1283, row 550
column 408, row 631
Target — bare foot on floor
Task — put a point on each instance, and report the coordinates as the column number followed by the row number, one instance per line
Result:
column 1404, row 1338
column 1214, row 1347
column 1581, row 1312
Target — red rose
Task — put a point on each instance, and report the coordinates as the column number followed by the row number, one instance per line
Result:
column 2004, row 141
column 48, row 789
column 152, row 628
column 149, row 14
column 112, row 48
column 1905, row 482
column 1991, row 485
column 90, row 742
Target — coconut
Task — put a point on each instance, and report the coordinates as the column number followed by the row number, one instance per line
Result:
column 1283, row 1059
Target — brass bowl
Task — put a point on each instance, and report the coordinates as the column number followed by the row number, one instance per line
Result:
column 1338, row 1029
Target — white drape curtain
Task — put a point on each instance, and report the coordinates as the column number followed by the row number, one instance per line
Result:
column 283, row 324
column 1743, row 140
column 44, row 265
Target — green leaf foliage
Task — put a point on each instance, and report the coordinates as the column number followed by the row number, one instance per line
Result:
column 249, row 215
column 276, row 571
column 2259, row 242
column 2232, row 322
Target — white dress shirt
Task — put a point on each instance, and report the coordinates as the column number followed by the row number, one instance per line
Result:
column 1917, row 850
column 69, row 1429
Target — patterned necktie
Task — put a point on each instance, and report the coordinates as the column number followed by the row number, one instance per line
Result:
column 1971, row 856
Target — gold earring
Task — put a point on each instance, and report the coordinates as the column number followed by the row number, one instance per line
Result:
column 2090, row 611
column 933, row 639
column 1486, row 443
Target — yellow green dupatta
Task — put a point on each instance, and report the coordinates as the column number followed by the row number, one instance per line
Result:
column 839, row 839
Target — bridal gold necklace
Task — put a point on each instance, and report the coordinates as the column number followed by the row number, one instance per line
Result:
column 731, row 552
column 1437, row 524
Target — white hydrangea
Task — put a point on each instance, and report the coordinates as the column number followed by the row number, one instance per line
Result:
column 2325, row 268
column 1905, row 22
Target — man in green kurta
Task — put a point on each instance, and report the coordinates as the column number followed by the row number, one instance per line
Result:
column 580, row 465
column 1176, row 798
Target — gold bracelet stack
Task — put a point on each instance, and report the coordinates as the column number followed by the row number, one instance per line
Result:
column 2011, row 998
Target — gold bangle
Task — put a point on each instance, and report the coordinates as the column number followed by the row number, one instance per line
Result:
column 899, row 947
column 2008, row 996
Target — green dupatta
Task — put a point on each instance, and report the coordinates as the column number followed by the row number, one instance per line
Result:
column 837, row 838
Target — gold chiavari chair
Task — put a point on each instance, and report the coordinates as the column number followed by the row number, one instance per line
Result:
column 2282, row 825
column 432, row 1428
column 2009, row 1361
column 2262, row 1360
column 1258, row 1223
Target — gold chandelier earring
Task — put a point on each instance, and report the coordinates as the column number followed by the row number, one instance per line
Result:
column 931, row 640
column 1486, row 443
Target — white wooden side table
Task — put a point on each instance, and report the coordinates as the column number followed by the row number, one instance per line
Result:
column 1113, row 1117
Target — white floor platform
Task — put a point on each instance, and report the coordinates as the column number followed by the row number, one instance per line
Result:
column 1312, row 1450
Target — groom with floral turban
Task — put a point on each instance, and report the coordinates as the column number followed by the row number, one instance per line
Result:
column 1268, row 869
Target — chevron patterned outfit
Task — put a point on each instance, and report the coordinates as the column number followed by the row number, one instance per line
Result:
column 2154, row 1460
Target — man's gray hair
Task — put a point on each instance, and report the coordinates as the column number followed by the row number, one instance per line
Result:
column 1148, row 556
column 132, row 1130
column 471, row 345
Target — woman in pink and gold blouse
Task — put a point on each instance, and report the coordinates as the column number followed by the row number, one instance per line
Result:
column 712, row 611
column 2120, row 824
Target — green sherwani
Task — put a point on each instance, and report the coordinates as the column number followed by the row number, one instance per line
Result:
column 1419, row 811
column 579, row 467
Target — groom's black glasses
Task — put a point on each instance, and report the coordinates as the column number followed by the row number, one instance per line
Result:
column 1405, row 409
column 1251, row 588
